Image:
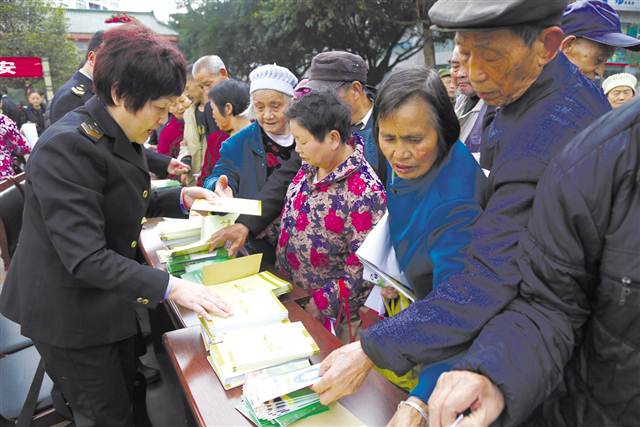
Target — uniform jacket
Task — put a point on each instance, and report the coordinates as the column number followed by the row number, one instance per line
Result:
column 580, row 266
column 75, row 93
column 71, row 95
column 73, row 281
column 517, row 147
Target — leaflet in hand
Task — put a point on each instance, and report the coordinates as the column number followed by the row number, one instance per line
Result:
column 229, row 205
column 378, row 257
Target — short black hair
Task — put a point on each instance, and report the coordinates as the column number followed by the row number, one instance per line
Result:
column 139, row 66
column 231, row 92
column 95, row 42
column 424, row 83
column 320, row 112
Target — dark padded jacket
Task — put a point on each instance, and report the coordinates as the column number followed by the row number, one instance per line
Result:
column 517, row 147
column 579, row 299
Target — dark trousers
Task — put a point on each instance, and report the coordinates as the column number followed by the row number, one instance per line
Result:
column 98, row 382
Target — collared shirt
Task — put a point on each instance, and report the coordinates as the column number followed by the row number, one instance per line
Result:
column 84, row 73
column 362, row 124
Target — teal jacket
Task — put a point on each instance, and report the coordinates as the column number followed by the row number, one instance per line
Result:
column 243, row 161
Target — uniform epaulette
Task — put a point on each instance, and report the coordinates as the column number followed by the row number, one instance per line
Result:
column 79, row 89
column 91, row 129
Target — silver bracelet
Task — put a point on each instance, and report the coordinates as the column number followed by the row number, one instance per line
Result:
column 416, row 407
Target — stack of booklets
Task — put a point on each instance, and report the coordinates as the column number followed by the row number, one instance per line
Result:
column 257, row 336
column 179, row 265
column 281, row 396
column 176, row 232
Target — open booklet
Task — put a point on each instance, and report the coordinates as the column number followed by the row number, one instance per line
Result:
column 381, row 266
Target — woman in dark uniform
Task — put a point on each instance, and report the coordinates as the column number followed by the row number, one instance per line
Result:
column 73, row 284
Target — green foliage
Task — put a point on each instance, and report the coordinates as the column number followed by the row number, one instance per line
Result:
column 246, row 33
column 34, row 28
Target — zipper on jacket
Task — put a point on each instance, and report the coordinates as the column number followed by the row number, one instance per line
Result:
column 625, row 291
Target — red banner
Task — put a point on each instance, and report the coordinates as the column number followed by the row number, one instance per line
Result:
column 20, row 66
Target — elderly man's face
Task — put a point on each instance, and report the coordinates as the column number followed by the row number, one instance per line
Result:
column 206, row 81
column 501, row 67
column 590, row 57
column 459, row 75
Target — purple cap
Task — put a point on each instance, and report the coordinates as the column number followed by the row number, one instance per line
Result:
column 597, row 21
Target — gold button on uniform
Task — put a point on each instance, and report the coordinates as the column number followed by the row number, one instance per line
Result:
column 145, row 194
column 141, row 300
column 134, row 244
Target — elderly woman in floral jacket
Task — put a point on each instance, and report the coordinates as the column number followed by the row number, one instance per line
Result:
column 331, row 205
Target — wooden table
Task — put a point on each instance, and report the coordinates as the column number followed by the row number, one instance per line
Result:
column 212, row 405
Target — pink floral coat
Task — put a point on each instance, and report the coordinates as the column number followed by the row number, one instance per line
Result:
column 323, row 224
column 11, row 141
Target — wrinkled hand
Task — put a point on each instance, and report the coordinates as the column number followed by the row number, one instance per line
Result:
column 190, row 194
column 176, row 167
column 222, row 187
column 342, row 372
column 199, row 298
column 389, row 292
column 406, row 416
column 457, row 391
column 236, row 234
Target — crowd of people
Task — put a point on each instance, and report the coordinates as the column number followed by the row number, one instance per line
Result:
column 508, row 184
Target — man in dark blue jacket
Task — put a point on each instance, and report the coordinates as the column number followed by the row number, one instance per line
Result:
column 510, row 50
column 580, row 269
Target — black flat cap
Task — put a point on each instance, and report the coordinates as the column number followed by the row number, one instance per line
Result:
column 486, row 15
column 336, row 66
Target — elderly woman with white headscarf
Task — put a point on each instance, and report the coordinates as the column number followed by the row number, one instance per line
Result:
column 619, row 88
column 249, row 157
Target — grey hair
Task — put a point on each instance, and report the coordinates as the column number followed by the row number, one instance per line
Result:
column 210, row 63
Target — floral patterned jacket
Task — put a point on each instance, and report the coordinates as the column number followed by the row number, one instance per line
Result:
column 323, row 224
column 10, row 142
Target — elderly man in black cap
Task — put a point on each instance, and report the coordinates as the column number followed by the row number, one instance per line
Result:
column 511, row 52
column 592, row 32
column 346, row 73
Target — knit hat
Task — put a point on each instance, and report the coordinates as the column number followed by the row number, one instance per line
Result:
column 273, row 77
column 617, row 80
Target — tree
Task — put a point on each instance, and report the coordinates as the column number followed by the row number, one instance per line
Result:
column 33, row 28
column 246, row 33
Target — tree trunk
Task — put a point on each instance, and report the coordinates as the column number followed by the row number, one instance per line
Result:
column 429, row 50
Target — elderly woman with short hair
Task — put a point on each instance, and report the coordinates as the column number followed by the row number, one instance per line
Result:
column 331, row 205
